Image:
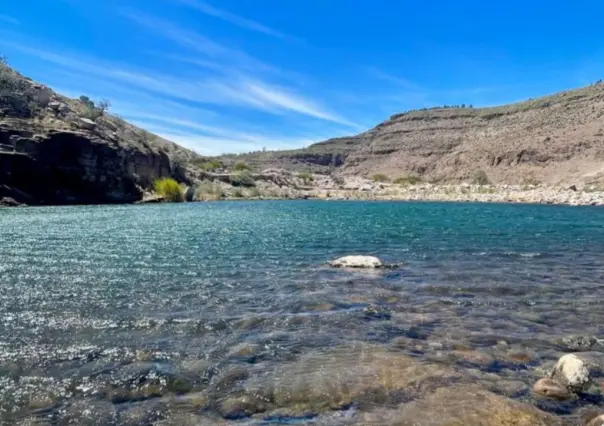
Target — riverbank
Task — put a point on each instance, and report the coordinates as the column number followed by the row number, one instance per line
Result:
column 471, row 193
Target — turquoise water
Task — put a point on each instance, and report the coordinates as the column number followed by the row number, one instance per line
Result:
column 86, row 292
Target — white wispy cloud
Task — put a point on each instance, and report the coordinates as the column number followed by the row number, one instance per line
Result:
column 198, row 43
column 9, row 19
column 397, row 80
column 238, row 86
column 237, row 20
column 226, row 90
column 280, row 98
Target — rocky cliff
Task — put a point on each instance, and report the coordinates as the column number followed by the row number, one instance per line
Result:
column 557, row 139
column 56, row 150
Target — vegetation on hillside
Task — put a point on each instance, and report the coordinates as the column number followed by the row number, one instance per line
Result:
column 169, row 189
column 306, row 177
column 408, row 180
column 243, row 178
column 240, row 166
column 208, row 191
column 211, row 165
column 18, row 98
column 93, row 110
column 380, row 178
column 481, row 178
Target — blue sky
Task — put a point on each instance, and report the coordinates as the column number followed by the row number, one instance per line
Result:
column 237, row 76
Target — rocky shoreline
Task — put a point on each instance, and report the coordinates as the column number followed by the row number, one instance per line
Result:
column 473, row 193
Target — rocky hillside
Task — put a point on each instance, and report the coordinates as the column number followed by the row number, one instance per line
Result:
column 56, row 150
column 554, row 140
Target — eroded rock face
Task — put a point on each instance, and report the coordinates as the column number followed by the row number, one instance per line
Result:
column 553, row 140
column 365, row 262
column 65, row 167
column 462, row 405
column 52, row 151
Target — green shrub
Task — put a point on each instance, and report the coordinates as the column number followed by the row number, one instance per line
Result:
column 408, row 180
column 481, row 178
column 253, row 193
column 306, row 177
column 17, row 98
column 243, row 178
column 487, row 190
column 380, row 178
column 94, row 110
column 240, row 166
column 531, row 180
column 210, row 166
column 208, row 191
column 237, row 193
column 169, row 189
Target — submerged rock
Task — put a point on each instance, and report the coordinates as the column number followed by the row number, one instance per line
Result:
column 463, row 405
column 339, row 377
column 550, row 389
column 376, row 312
column 578, row 343
column 368, row 262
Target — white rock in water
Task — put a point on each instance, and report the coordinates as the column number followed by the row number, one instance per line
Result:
column 370, row 262
column 572, row 372
column 597, row 421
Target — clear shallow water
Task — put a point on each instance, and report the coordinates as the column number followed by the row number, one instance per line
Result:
column 154, row 303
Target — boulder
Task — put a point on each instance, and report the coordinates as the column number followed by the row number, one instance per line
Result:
column 60, row 107
column 86, row 123
column 9, row 202
column 369, row 262
column 575, row 371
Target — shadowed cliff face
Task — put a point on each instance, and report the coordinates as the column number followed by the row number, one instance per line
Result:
column 557, row 139
column 68, row 167
column 55, row 150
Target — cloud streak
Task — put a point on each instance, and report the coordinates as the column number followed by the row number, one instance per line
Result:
column 9, row 20
column 198, row 43
column 399, row 81
column 241, row 91
column 237, row 20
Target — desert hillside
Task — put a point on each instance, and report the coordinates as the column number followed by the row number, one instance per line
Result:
column 57, row 150
column 554, row 140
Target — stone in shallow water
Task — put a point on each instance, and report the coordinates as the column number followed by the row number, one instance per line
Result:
column 548, row 388
column 89, row 413
column 339, row 377
column 575, row 371
column 367, row 262
column 578, row 343
column 376, row 312
column 462, row 405
column 239, row 407
column 244, row 351
column 596, row 421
